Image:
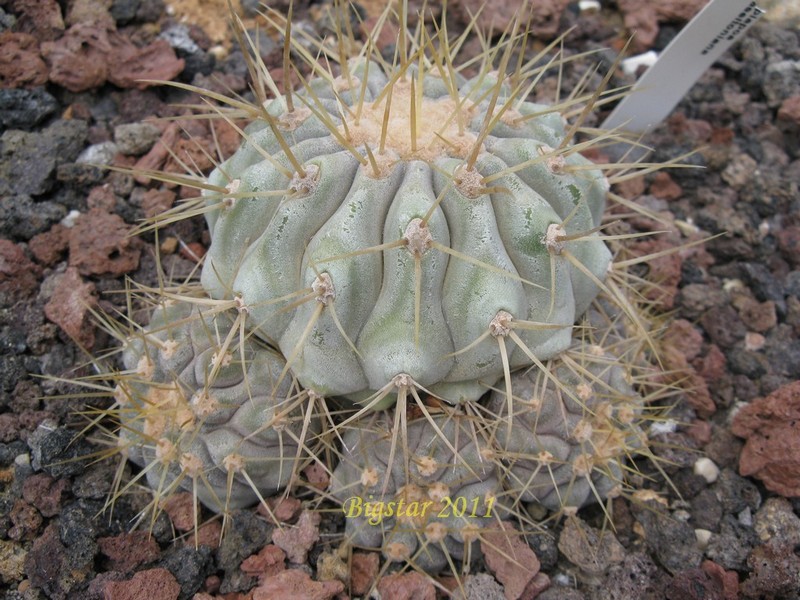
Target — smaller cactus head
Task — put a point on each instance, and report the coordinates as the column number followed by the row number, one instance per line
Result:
column 203, row 409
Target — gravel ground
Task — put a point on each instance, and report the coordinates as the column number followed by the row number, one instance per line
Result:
column 726, row 528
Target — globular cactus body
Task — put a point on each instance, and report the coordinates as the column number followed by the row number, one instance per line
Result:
column 448, row 487
column 360, row 270
column 573, row 428
column 200, row 409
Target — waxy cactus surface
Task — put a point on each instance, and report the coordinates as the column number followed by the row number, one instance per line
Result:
column 199, row 409
column 471, row 215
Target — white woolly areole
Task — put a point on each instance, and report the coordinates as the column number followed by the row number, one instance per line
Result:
column 418, row 237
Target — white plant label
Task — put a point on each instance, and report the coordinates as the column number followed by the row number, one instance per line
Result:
column 684, row 60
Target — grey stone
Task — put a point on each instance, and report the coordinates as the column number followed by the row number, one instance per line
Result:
column 23, row 109
column 133, row 139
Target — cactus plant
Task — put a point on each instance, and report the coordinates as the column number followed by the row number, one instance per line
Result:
column 198, row 410
column 400, row 221
column 396, row 231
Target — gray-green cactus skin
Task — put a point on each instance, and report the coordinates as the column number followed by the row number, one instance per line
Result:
column 190, row 423
column 461, row 490
column 344, row 242
column 572, row 429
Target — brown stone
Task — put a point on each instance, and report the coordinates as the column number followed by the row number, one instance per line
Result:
column 21, row 64
column 771, row 427
column 500, row 15
column 42, row 18
column 280, row 509
column 45, row 493
column 129, row 550
column 181, row 511
column 510, row 559
column 363, row 571
column 49, row 247
column 663, row 186
column 296, row 584
column 268, row 562
column 78, row 60
column 790, row 110
column 19, row 277
column 70, row 307
column 100, row 244
column 297, row 540
column 155, row 202
column 132, row 67
column 152, row 584
column 406, row 586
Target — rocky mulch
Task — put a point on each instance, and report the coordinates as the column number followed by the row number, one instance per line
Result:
column 72, row 97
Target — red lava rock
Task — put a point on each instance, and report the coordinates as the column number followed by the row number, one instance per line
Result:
column 790, row 109
column 728, row 580
column 711, row 366
column 78, row 60
column 663, row 186
column 180, row 510
column 49, row 247
column 297, row 585
column 317, row 476
column 129, row 65
column 25, row 521
column 665, row 270
column 155, row 202
column 771, row 427
column 757, row 316
column 129, row 550
column 46, row 562
column 88, row 55
column 268, row 562
column 500, row 15
column 42, row 18
column 9, row 427
column 693, row 584
column 297, row 540
column 510, row 559
column 19, row 276
column 99, row 244
column 102, row 197
column 644, row 17
column 155, row 157
column 700, row 432
column 684, row 337
column 21, row 64
column 775, row 571
column 152, row 584
column 90, row 11
column 406, row 586
column 630, row 188
column 45, row 493
column 208, row 534
column 789, row 243
column 363, row 571
column 283, row 509
column 69, row 307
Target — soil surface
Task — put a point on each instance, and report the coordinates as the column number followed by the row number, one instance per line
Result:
column 72, row 96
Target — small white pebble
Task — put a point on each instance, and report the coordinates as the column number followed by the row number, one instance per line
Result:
column 588, row 5
column 706, row 468
column 732, row 284
column 703, row 536
column 754, row 341
column 69, row 220
column 632, row 64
